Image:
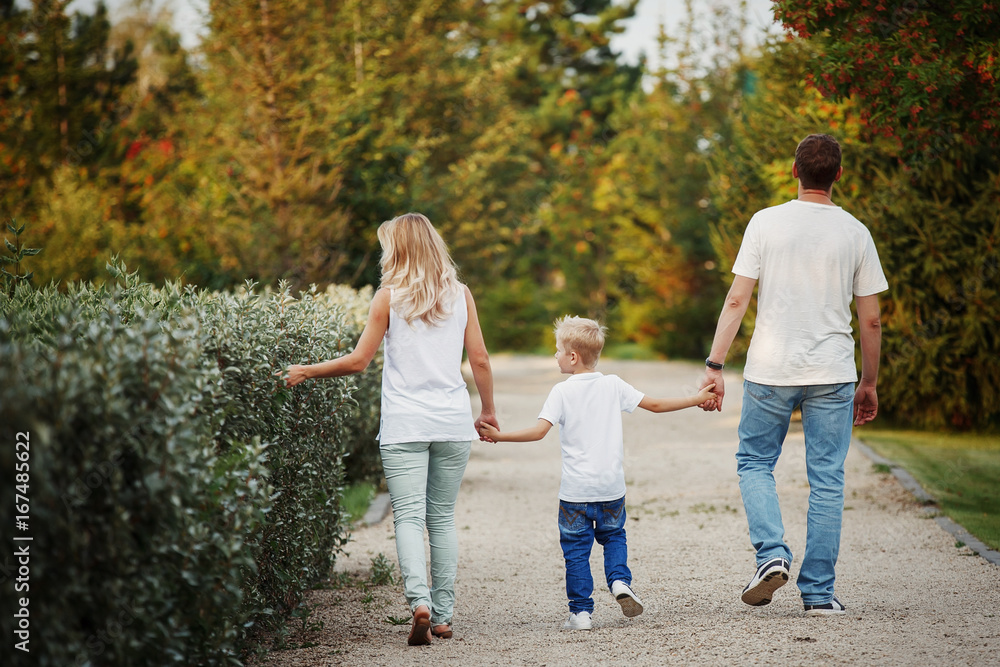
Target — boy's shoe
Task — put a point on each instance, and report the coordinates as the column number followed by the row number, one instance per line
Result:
column 626, row 597
column 831, row 608
column 578, row 621
column 769, row 577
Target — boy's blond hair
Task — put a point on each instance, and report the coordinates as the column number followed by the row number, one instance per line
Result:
column 583, row 336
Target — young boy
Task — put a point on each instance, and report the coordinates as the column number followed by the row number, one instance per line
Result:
column 588, row 407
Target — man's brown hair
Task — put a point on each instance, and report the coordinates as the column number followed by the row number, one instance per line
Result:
column 817, row 158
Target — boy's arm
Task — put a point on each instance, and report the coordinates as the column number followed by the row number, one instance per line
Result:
column 536, row 432
column 672, row 404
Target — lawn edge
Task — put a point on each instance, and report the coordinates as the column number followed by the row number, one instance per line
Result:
column 929, row 504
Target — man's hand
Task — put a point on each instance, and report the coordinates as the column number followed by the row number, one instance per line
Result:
column 865, row 403
column 713, row 378
column 487, row 420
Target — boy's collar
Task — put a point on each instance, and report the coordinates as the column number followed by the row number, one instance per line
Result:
column 584, row 376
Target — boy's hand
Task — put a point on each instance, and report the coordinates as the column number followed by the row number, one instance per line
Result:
column 713, row 378
column 488, row 432
column 706, row 397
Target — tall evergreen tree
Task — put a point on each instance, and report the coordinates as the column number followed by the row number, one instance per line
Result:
column 61, row 95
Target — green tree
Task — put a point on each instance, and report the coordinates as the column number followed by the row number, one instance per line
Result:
column 62, row 85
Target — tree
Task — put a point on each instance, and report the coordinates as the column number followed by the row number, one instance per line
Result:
column 62, row 87
column 925, row 72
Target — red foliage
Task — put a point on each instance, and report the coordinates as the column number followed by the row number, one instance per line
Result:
column 922, row 71
column 135, row 148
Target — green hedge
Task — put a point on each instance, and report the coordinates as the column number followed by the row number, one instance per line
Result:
column 181, row 499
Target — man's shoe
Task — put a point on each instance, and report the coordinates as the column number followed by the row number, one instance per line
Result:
column 578, row 621
column 831, row 608
column 770, row 576
column 626, row 597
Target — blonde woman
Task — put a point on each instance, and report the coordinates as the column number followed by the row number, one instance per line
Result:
column 427, row 317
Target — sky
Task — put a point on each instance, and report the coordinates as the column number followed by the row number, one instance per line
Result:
column 641, row 30
column 639, row 36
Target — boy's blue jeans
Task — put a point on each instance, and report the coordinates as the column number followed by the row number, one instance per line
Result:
column 579, row 525
column 827, row 416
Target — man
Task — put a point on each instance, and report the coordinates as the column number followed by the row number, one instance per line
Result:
column 811, row 258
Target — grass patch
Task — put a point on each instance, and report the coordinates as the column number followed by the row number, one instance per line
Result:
column 357, row 498
column 961, row 470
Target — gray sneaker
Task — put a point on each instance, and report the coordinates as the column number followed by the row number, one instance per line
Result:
column 626, row 597
column 578, row 621
column 770, row 576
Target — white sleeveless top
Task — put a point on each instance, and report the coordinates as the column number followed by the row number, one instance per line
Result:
column 424, row 398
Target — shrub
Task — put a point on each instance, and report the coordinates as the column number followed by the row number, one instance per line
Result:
column 137, row 523
column 362, row 462
column 181, row 497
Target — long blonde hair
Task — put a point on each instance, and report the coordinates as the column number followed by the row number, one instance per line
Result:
column 417, row 268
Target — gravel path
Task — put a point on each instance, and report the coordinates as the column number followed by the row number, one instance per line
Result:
column 913, row 598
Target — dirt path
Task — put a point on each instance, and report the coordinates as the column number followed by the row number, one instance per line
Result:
column 912, row 596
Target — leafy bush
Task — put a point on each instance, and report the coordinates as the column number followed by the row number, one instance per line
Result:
column 362, row 462
column 179, row 494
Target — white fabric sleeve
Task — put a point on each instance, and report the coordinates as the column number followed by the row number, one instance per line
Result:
column 747, row 262
column 869, row 278
column 552, row 409
column 628, row 396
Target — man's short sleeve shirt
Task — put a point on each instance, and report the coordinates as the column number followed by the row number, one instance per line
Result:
column 810, row 261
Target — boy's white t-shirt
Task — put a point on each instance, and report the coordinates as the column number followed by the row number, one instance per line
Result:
column 810, row 261
column 588, row 408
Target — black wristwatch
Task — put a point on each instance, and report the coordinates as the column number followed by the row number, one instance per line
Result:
column 714, row 366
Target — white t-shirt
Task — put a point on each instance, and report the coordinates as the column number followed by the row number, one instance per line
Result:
column 588, row 409
column 810, row 261
column 424, row 398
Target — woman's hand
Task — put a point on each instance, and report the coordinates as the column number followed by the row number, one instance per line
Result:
column 294, row 374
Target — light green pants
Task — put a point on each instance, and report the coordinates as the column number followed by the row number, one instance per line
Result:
column 423, row 480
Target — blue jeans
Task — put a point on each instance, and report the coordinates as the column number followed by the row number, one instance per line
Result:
column 423, row 480
column 579, row 525
column 827, row 415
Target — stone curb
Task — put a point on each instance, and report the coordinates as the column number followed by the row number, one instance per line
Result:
column 377, row 510
column 930, row 504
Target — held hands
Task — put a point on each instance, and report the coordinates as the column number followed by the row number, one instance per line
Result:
column 487, row 426
column 488, row 432
column 713, row 379
column 706, row 397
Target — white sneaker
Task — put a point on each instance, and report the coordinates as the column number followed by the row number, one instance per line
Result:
column 578, row 621
column 626, row 597
column 832, row 608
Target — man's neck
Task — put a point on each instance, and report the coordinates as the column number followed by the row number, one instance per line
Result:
column 816, row 196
